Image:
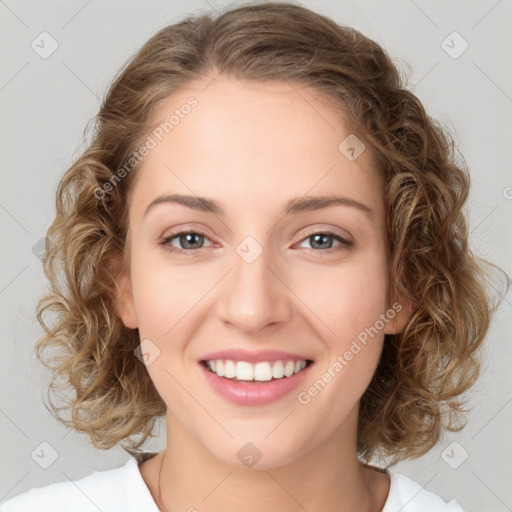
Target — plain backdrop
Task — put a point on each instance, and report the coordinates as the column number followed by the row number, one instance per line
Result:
column 47, row 102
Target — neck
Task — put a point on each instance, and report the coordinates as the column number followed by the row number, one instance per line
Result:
column 329, row 477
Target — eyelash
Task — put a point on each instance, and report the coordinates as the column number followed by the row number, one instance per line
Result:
column 165, row 243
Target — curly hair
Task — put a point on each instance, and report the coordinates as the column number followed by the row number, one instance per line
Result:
column 423, row 372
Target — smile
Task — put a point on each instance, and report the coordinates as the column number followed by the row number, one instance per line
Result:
column 248, row 384
column 261, row 372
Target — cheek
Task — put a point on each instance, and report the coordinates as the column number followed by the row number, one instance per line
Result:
column 163, row 293
column 345, row 299
column 352, row 332
column 348, row 302
column 165, row 300
column 169, row 300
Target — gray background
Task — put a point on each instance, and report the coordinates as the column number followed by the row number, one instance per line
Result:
column 47, row 102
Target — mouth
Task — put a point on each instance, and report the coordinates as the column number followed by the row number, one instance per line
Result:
column 254, row 384
column 246, row 372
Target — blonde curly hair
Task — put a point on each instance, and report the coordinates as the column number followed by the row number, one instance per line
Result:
column 416, row 390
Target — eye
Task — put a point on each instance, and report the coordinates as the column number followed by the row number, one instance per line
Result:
column 189, row 239
column 323, row 240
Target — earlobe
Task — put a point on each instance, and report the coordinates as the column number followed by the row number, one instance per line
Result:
column 125, row 306
column 403, row 309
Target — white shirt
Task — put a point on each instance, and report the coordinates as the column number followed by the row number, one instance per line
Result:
column 124, row 490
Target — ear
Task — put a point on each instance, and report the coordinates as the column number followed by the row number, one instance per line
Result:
column 403, row 309
column 125, row 305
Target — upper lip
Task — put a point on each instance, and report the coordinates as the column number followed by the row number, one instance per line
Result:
column 253, row 356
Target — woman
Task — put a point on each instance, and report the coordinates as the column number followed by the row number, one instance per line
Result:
column 265, row 243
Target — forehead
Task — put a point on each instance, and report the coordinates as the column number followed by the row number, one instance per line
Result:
column 251, row 144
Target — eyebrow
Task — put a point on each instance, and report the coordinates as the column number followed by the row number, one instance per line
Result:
column 293, row 206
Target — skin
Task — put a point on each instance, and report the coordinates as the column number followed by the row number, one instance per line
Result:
column 252, row 147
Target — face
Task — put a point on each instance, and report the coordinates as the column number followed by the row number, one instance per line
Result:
column 267, row 282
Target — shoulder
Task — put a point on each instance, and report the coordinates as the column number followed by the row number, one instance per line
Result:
column 405, row 495
column 113, row 490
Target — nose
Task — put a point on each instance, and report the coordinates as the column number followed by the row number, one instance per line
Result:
column 254, row 296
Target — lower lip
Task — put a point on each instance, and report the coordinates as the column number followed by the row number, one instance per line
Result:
column 251, row 393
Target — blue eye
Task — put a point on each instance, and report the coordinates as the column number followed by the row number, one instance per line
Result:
column 322, row 237
column 190, row 241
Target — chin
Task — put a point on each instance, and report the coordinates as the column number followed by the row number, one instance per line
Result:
column 256, row 454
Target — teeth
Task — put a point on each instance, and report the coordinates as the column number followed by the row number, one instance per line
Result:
column 229, row 369
column 278, row 370
column 263, row 371
column 244, row 371
column 288, row 368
